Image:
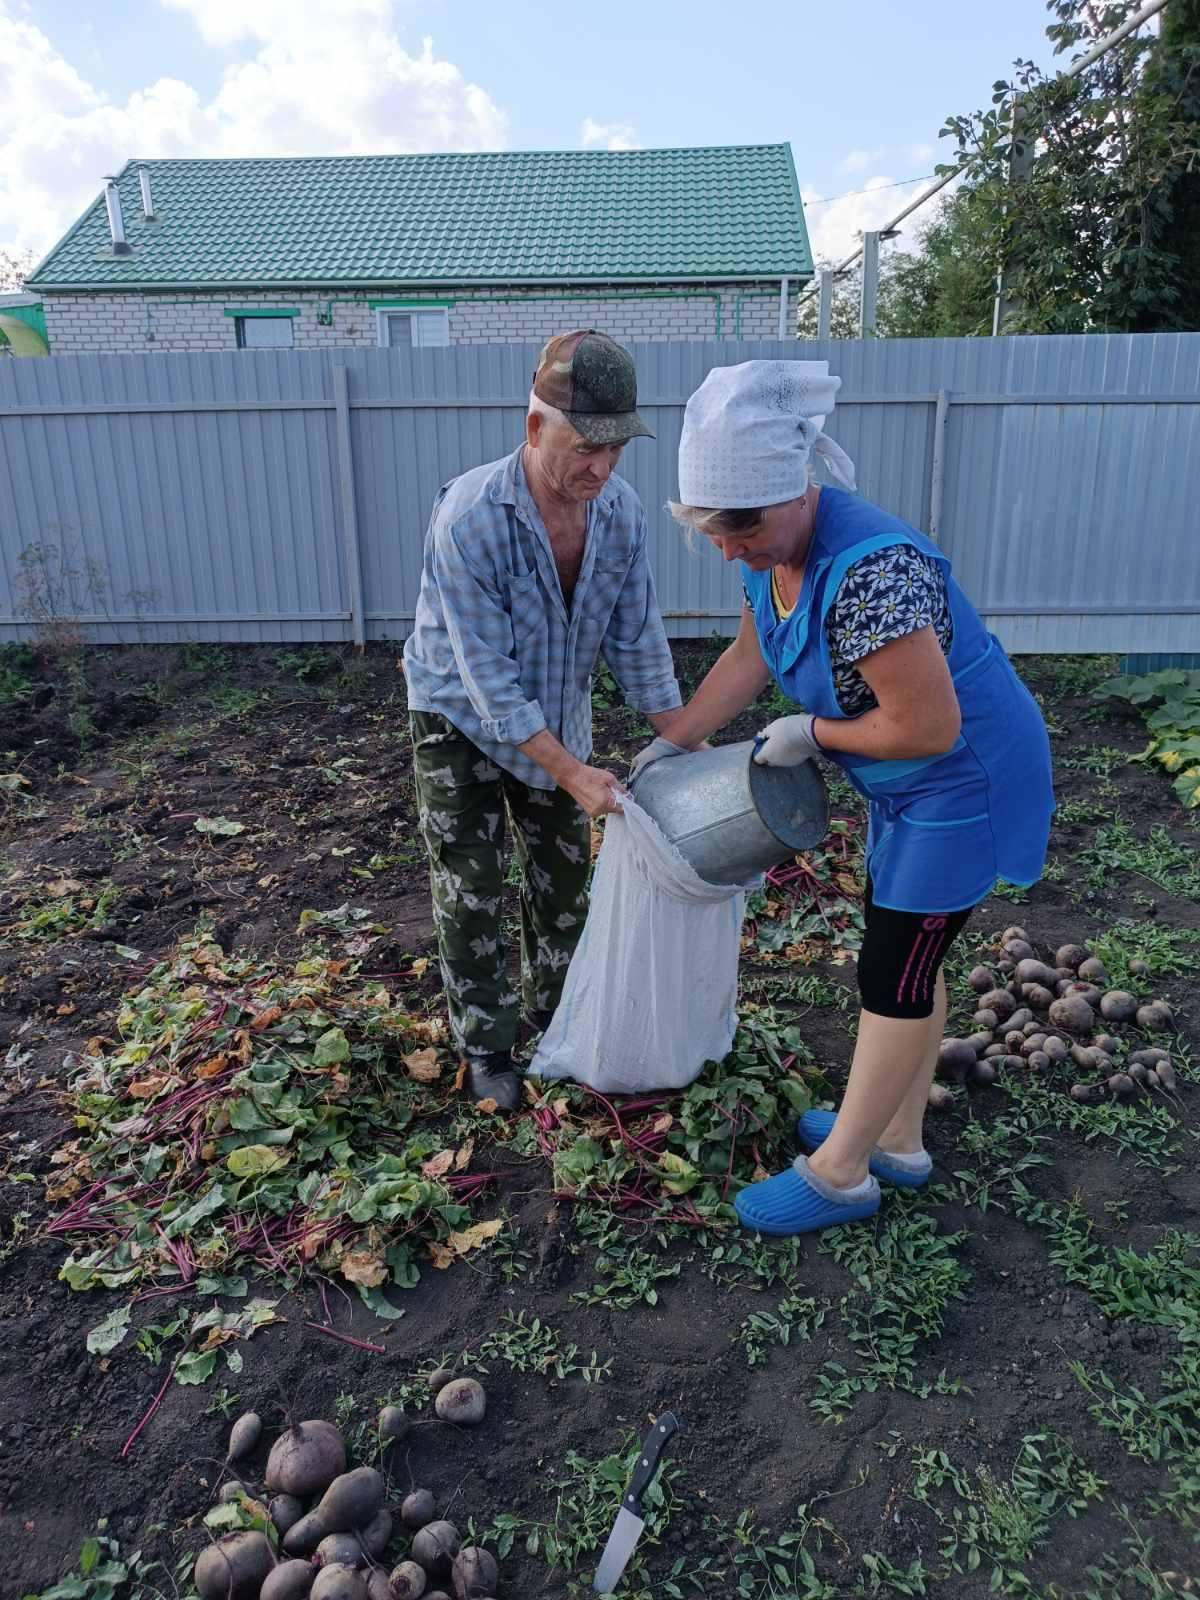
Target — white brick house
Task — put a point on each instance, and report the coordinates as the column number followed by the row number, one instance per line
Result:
column 320, row 252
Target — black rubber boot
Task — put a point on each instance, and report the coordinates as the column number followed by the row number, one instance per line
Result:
column 492, row 1077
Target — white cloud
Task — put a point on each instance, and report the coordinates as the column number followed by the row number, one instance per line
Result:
column 858, row 160
column 836, row 226
column 921, row 154
column 311, row 78
column 595, row 135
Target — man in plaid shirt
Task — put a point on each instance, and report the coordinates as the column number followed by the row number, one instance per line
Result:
column 533, row 567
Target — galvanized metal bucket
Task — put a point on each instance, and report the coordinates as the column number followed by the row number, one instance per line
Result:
column 730, row 818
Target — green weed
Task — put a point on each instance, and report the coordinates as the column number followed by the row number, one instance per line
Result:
column 530, row 1345
column 795, row 1317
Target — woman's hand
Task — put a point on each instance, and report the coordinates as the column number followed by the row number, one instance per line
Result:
column 657, row 750
column 787, row 741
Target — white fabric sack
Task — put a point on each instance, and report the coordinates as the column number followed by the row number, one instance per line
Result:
column 651, row 991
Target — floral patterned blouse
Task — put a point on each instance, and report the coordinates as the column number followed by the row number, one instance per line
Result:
column 887, row 595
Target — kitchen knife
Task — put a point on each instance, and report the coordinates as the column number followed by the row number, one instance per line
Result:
column 627, row 1529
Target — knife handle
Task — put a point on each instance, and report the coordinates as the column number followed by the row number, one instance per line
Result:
column 655, row 1442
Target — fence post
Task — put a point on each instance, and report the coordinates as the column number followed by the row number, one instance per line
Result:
column 937, row 471
column 345, row 464
column 825, row 305
column 869, row 296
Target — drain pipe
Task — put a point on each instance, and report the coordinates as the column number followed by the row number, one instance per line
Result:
column 116, row 221
column 783, row 309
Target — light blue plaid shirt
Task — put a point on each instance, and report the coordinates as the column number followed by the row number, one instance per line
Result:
column 494, row 648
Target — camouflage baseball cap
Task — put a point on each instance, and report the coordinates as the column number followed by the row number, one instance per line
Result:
column 591, row 380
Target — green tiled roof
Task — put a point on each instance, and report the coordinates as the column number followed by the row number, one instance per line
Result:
column 509, row 217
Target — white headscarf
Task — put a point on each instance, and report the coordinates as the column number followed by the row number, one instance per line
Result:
column 749, row 433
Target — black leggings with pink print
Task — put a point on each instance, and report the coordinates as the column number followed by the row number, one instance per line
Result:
column 901, row 957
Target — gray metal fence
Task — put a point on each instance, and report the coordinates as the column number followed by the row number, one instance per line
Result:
column 263, row 495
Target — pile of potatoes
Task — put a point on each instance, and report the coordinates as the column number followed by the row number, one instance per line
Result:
column 334, row 1525
column 1033, row 1015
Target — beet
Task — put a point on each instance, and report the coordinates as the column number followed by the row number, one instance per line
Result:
column 1156, row 1017
column 1094, row 971
column 981, row 979
column 1070, row 956
column 1073, row 1014
column 955, row 1059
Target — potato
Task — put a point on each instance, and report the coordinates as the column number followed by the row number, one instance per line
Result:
column 339, row 1583
column 234, row 1568
column 407, row 1581
column 939, row 1097
column 1070, row 956
column 1121, row 1085
column 474, row 1573
column 439, row 1378
column 1033, row 971
column 306, row 1459
column 393, row 1423
column 291, row 1580
column 463, row 1401
column 1087, row 1093
column 1118, row 1005
column 417, row 1509
column 1038, row 1061
column 374, row 1537
column 1155, row 1017
column 244, row 1435
column 339, row 1549
column 1038, row 996
column 983, row 1073
column 1094, row 971
column 955, row 1059
column 999, row 1001
column 1073, row 1014
column 986, row 1021
column 350, row 1501
column 1019, row 950
column 436, row 1546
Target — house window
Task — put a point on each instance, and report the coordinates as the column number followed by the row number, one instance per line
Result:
column 264, row 333
column 411, row 329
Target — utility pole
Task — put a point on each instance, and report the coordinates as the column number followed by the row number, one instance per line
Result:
column 1020, row 161
column 869, row 297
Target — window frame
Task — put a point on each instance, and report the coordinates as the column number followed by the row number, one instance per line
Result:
column 417, row 313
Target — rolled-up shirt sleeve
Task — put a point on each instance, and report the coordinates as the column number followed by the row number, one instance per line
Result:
column 635, row 642
column 481, row 637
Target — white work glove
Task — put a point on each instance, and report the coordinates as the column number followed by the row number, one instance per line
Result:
column 787, row 741
column 656, row 750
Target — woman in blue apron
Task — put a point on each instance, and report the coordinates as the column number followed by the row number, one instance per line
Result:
column 857, row 617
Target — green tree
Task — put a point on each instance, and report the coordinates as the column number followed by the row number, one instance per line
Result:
column 943, row 289
column 1083, row 235
column 1174, row 74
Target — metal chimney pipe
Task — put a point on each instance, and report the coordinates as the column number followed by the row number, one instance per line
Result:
column 116, row 220
column 147, row 197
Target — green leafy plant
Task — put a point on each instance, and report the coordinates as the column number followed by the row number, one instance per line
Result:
column 1170, row 705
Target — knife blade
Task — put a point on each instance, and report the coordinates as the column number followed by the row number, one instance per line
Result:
column 627, row 1529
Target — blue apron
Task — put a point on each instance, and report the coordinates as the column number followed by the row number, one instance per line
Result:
column 943, row 828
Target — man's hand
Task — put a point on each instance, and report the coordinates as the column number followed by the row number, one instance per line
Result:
column 656, row 750
column 593, row 790
column 786, row 742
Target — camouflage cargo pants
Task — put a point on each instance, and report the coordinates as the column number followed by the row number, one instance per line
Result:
column 463, row 799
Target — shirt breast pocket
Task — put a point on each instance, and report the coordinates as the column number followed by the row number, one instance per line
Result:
column 604, row 590
column 526, row 608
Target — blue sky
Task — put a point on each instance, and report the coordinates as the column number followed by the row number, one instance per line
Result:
column 859, row 89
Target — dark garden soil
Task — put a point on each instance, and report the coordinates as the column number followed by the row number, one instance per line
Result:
column 982, row 1453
